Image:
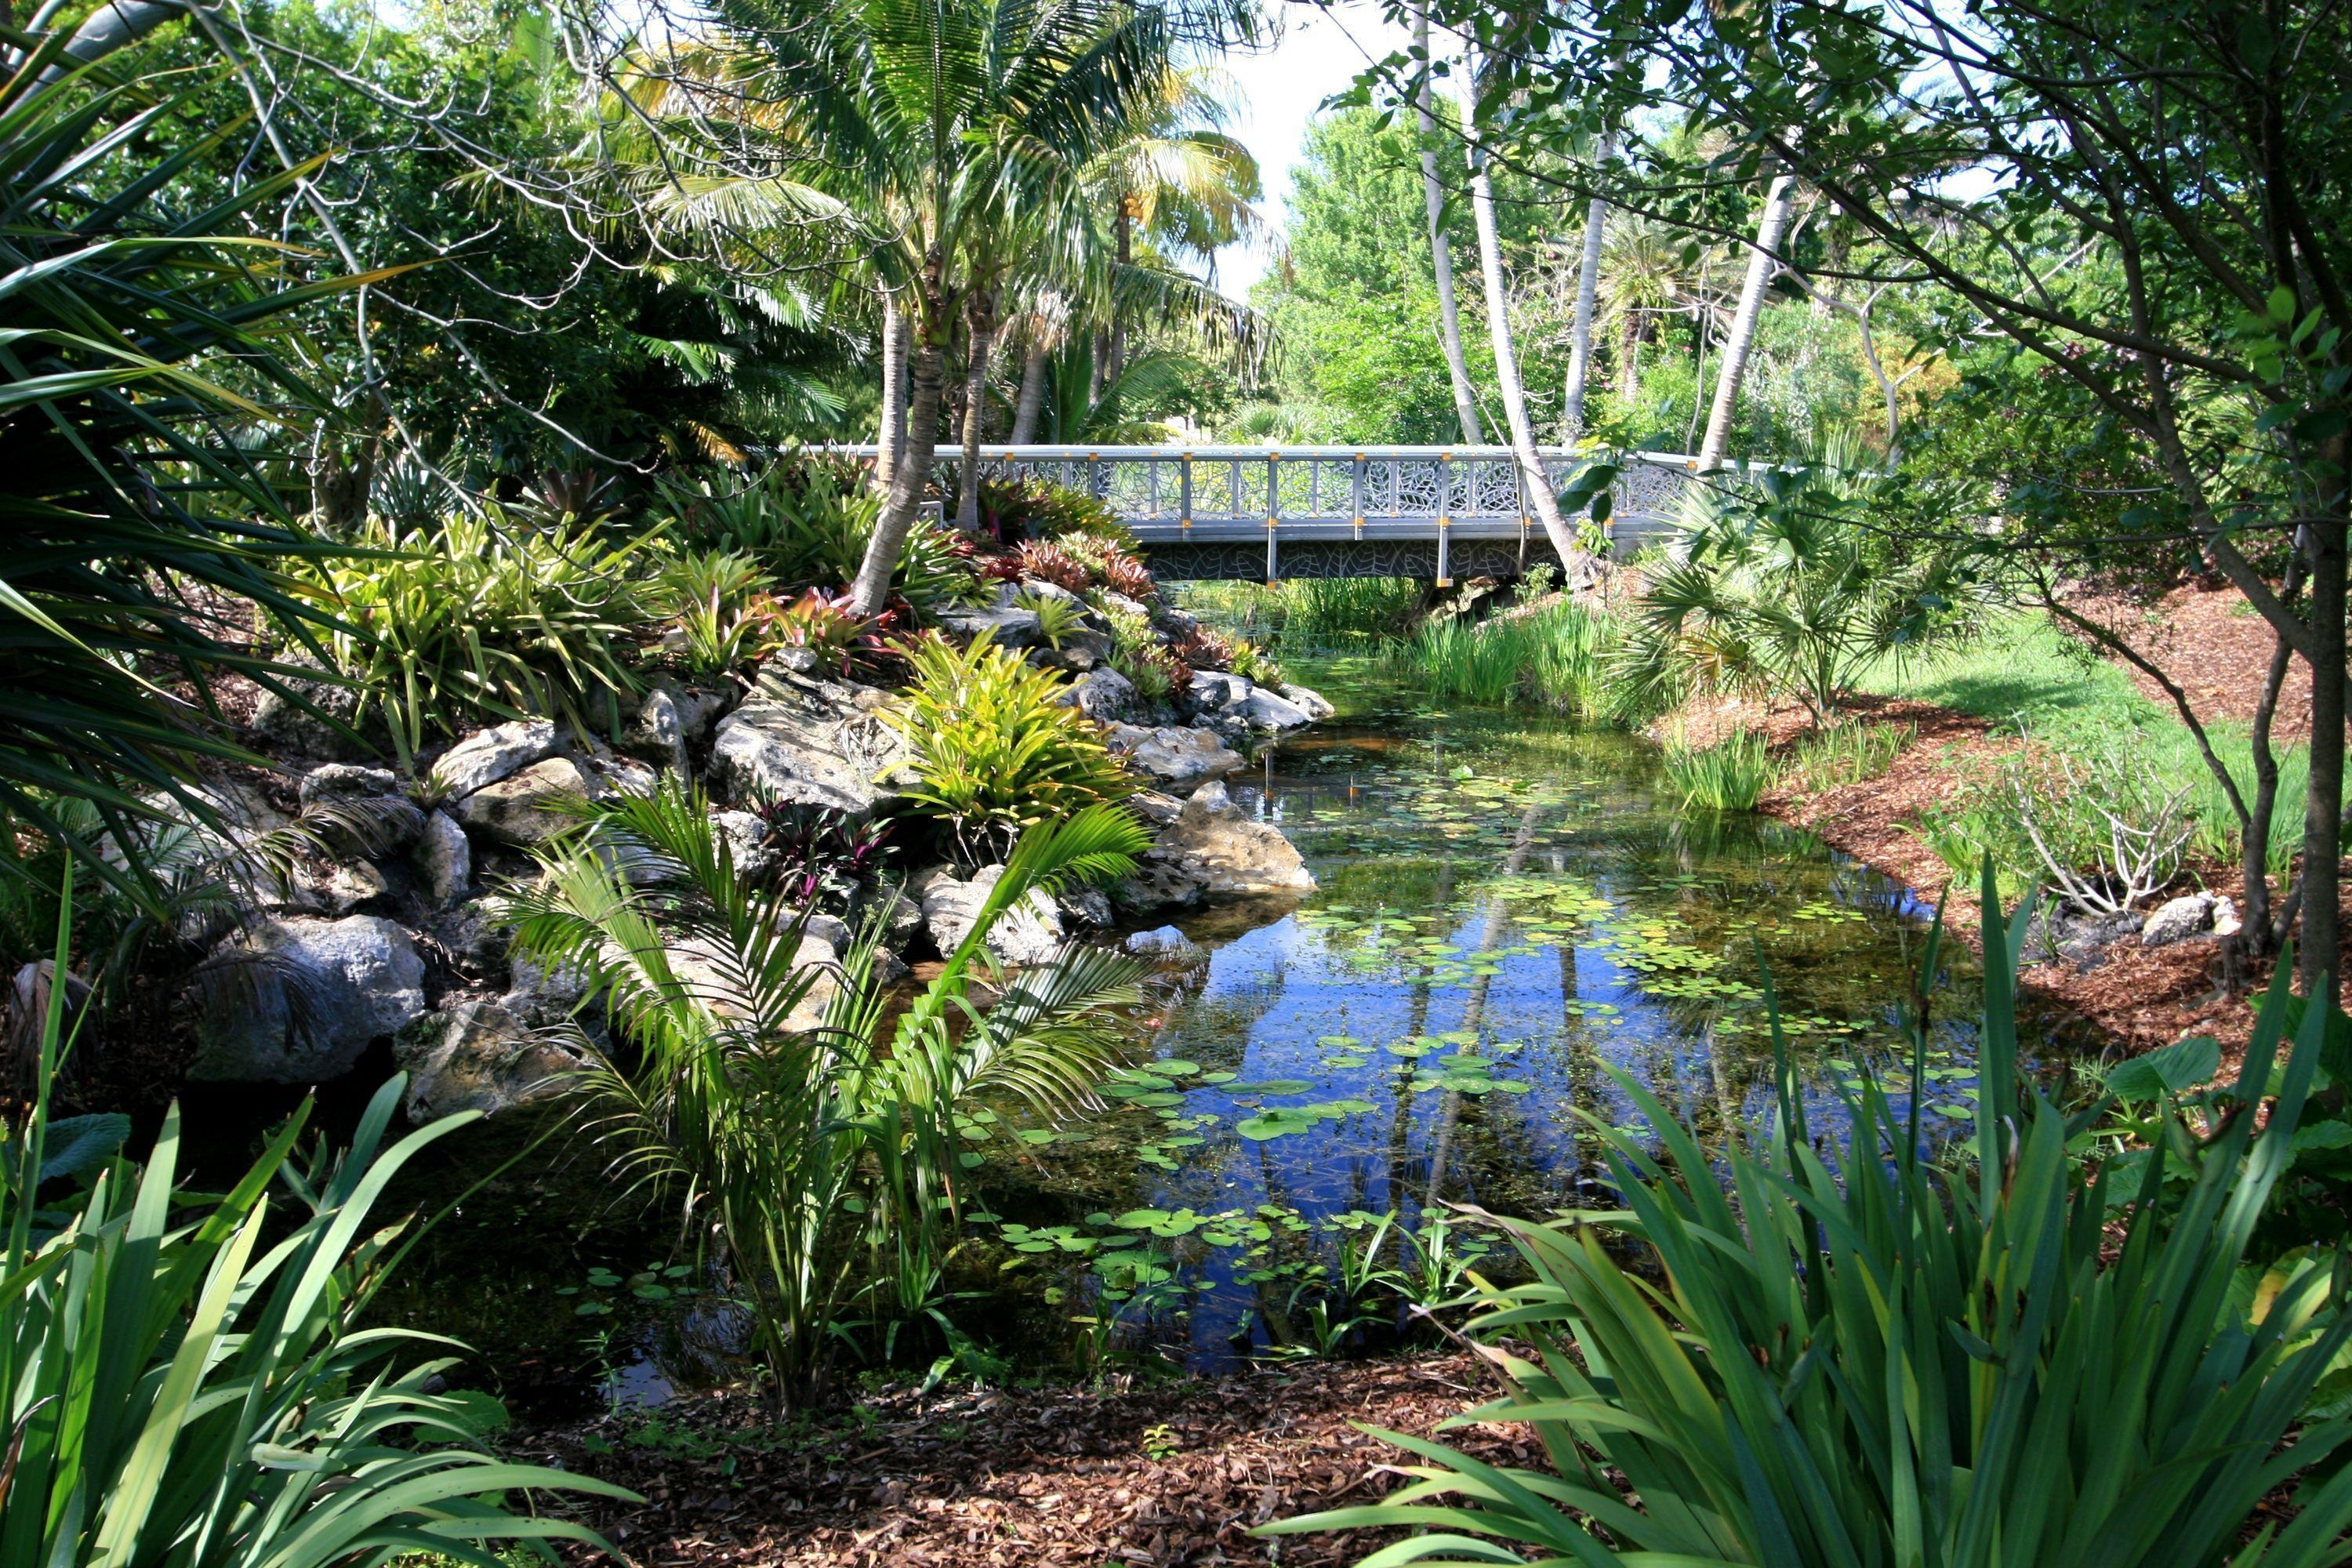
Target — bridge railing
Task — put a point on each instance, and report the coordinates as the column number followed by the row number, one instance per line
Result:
column 1208, row 486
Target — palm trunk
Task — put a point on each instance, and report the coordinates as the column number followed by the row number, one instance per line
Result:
column 975, row 412
column 1580, row 337
column 1629, row 364
column 1761, row 264
column 1114, row 361
column 892, row 439
column 1440, row 251
column 1582, row 571
column 1031, row 406
column 912, row 473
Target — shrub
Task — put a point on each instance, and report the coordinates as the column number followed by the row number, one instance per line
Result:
column 1254, row 663
column 992, row 749
column 1730, row 775
column 1049, row 562
column 483, row 618
column 1867, row 1358
column 830, row 1160
column 184, row 1384
column 2106, row 833
column 1058, row 616
column 1110, row 564
column 1014, row 510
column 806, row 525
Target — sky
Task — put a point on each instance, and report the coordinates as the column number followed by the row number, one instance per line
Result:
column 1320, row 53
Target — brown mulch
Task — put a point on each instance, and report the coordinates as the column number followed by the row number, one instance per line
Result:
column 2209, row 642
column 1058, row 1478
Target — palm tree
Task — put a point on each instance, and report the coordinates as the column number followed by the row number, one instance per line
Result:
column 1643, row 277
column 1581, row 570
column 1763, row 261
column 1440, row 251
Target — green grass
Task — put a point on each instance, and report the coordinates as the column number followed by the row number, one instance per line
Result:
column 1730, row 775
column 2024, row 675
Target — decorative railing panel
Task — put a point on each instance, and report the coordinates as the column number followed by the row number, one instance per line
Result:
column 1337, row 510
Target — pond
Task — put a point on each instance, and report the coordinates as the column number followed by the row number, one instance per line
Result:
column 1507, row 909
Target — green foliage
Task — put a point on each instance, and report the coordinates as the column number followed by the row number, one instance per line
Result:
column 1792, row 596
column 181, row 1379
column 1058, row 616
column 992, row 749
column 822, row 1146
column 1016, row 510
column 143, row 395
column 1867, row 1356
column 1562, row 655
column 1730, row 775
column 805, row 521
column 1848, row 753
column 485, row 617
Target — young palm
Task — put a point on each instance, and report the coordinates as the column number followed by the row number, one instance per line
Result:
column 809, row 1141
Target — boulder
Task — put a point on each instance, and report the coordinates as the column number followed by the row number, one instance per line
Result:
column 522, row 810
column 341, row 781
column 1104, row 694
column 2177, row 920
column 1119, row 603
column 1029, row 932
column 1211, row 850
column 489, row 756
column 801, row 739
column 2085, row 940
column 1214, row 689
column 747, row 839
column 1009, row 624
column 1164, row 945
column 443, row 859
column 351, row 817
column 2226, row 919
column 477, row 1056
column 1308, row 700
column 334, row 888
column 541, row 996
column 299, row 1000
column 670, row 722
column 1265, row 710
column 902, row 916
column 286, row 729
column 1177, row 759
column 1084, row 906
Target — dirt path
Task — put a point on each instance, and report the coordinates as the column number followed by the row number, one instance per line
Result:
column 1173, row 1474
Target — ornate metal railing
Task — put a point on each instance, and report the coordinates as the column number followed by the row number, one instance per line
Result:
column 1212, row 508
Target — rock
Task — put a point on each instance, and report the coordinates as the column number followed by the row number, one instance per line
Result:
column 1154, row 808
column 336, row 887
column 704, row 973
column 1119, row 603
column 1103, row 694
column 540, row 996
column 1265, row 710
column 1308, row 700
column 1178, row 759
column 1212, row 853
column 338, row 781
column 1029, row 932
column 1009, row 624
column 489, row 756
column 830, row 930
column 521, row 810
column 810, row 741
column 747, row 839
column 670, row 722
column 371, row 826
column 1176, row 623
column 1166, row 944
column 1084, row 906
column 2226, row 921
column 900, row 915
column 443, row 859
column 289, row 729
column 1214, row 689
column 299, row 1000
column 2085, row 941
column 2177, row 920
column 477, row 1056
column 1214, row 799
column 622, row 776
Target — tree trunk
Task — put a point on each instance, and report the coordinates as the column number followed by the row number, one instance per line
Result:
column 872, row 589
column 892, row 441
column 1629, row 364
column 1582, row 571
column 2323, row 805
column 1761, row 264
column 1580, row 336
column 1031, row 407
column 982, row 329
column 1441, row 250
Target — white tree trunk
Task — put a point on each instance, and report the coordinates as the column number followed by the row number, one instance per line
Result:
column 1583, row 570
column 975, row 413
column 892, row 439
column 1763, row 262
column 1031, row 406
column 911, row 477
column 1580, row 337
column 1441, row 252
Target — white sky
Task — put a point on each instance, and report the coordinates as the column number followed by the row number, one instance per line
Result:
column 1320, row 53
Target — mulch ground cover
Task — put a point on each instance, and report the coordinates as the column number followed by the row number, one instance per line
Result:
column 1166, row 1474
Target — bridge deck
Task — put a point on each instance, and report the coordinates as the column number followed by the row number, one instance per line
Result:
column 1268, row 512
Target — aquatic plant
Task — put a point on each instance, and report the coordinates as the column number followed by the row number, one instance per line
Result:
column 180, row 1376
column 822, row 1145
column 1848, row 753
column 992, row 752
column 1457, row 658
column 1871, row 1356
column 1562, row 655
column 1730, row 775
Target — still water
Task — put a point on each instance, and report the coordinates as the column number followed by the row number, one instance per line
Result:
column 1507, row 910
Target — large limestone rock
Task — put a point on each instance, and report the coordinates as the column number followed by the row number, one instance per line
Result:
column 1263, row 710
column 298, row 1000
column 2191, row 915
column 489, row 756
column 1215, row 689
column 1313, row 703
column 1030, row 933
column 289, row 729
column 443, row 859
column 670, row 722
column 525, row 809
column 477, row 1056
column 1211, row 851
column 803, row 739
column 1176, row 759
column 1009, row 624
column 1104, row 694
